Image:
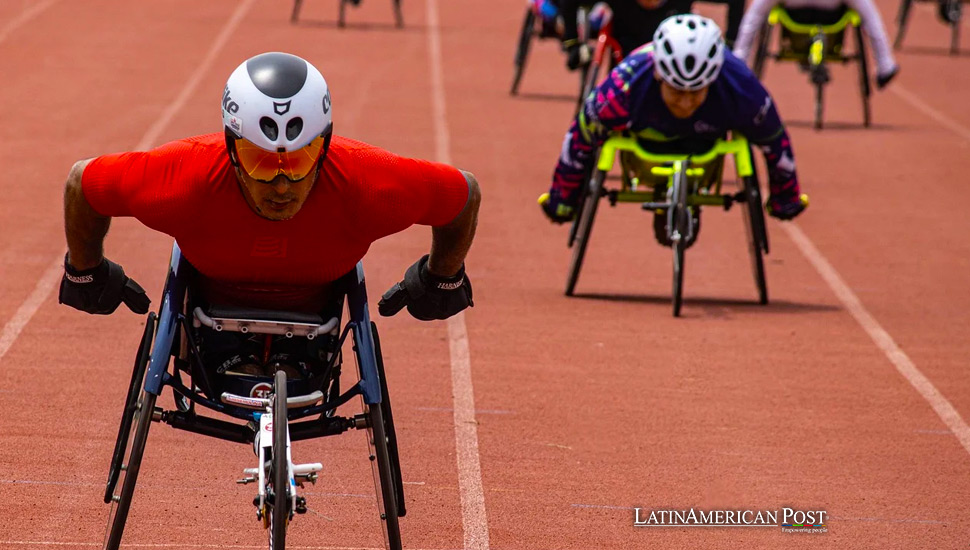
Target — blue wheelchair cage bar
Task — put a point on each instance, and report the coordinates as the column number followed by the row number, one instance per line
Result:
column 737, row 146
column 169, row 322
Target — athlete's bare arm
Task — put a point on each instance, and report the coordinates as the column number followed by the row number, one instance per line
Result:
column 450, row 243
column 84, row 227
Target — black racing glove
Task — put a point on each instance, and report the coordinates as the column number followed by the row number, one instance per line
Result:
column 428, row 297
column 577, row 54
column 100, row 290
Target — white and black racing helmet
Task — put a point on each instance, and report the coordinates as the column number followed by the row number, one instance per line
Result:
column 277, row 103
column 688, row 51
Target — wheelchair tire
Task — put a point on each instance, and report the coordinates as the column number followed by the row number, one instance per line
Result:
column 682, row 218
column 380, row 458
column 131, row 401
column 393, row 455
column 902, row 19
column 955, row 32
column 398, row 15
column 754, row 224
column 280, row 515
column 761, row 54
column 574, row 226
column 584, row 228
column 342, row 14
column 819, row 104
column 522, row 48
column 591, row 77
column 865, row 87
column 128, row 470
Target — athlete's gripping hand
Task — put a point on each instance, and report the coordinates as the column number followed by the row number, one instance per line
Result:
column 428, row 297
column 555, row 208
column 577, row 54
column 100, row 290
column 786, row 206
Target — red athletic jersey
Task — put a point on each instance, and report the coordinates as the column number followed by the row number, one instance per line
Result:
column 188, row 189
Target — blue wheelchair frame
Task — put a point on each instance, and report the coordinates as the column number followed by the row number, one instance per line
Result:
column 171, row 318
column 140, row 410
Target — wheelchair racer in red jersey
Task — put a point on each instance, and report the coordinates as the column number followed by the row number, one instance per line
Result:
column 274, row 208
column 683, row 87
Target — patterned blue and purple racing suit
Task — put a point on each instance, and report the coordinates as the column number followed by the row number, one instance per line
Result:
column 629, row 100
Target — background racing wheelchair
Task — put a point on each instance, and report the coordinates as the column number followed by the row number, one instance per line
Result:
column 342, row 13
column 172, row 347
column 673, row 186
column 951, row 12
column 813, row 38
column 542, row 21
column 607, row 54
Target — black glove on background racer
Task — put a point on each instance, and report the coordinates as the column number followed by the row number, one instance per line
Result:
column 100, row 290
column 428, row 297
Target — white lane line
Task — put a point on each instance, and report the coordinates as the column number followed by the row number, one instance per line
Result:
column 46, row 283
column 50, row 277
column 203, row 68
column 920, row 105
column 474, row 519
column 24, row 17
column 882, row 339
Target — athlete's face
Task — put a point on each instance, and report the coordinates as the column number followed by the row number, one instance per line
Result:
column 681, row 104
column 279, row 200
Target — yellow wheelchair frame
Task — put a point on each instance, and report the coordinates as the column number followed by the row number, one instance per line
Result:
column 825, row 45
column 683, row 174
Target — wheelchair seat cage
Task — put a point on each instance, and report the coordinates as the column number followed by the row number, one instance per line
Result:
column 683, row 175
column 269, row 406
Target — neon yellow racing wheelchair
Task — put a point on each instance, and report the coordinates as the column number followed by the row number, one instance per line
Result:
column 813, row 38
column 674, row 186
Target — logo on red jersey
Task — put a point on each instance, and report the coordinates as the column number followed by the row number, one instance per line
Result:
column 269, row 247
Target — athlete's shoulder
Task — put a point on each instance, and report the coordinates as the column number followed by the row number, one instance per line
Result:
column 737, row 75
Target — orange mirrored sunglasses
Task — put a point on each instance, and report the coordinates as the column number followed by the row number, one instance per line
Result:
column 265, row 165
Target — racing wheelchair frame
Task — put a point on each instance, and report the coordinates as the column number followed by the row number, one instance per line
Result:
column 607, row 54
column 265, row 404
column 824, row 44
column 683, row 192
column 342, row 13
column 532, row 29
column 902, row 19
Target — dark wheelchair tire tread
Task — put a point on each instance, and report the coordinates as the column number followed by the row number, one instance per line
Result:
column 119, row 514
column 127, row 415
column 522, row 49
column 584, row 229
column 391, row 433
column 386, row 491
column 280, row 513
column 756, row 229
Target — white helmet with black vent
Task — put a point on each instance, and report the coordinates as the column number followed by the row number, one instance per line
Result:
column 688, row 51
column 277, row 101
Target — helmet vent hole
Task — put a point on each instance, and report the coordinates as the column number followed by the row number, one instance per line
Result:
column 689, row 62
column 713, row 52
column 269, row 128
column 293, row 128
column 667, row 48
column 712, row 73
column 691, row 25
